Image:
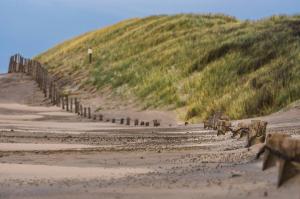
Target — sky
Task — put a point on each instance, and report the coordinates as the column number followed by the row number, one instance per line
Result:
column 33, row 26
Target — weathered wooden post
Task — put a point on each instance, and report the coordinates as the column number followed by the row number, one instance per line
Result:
column 67, row 103
column 51, row 92
column 10, row 64
column 89, row 113
column 57, row 97
column 156, row 123
column 81, row 110
column 128, row 121
column 71, row 105
column 54, row 95
column 90, row 53
column 45, row 82
column 136, row 122
column 76, row 105
column 63, row 102
column 15, row 64
column 100, row 117
column 84, row 114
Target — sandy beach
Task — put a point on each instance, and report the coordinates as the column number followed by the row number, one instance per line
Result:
column 48, row 153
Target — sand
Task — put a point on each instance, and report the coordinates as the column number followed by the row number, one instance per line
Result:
column 48, row 153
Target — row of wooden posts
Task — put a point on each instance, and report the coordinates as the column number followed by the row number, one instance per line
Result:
column 52, row 89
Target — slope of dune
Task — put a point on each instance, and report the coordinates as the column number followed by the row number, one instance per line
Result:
column 193, row 64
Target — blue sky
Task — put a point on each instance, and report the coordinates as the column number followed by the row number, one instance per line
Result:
column 32, row 26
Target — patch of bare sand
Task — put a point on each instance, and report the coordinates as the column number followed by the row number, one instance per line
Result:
column 40, row 147
column 28, row 172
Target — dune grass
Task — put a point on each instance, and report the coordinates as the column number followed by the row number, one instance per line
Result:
column 194, row 64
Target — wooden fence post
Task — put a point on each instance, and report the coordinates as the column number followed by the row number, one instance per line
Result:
column 89, row 113
column 100, row 117
column 67, row 103
column 84, row 113
column 136, row 122
column 63, row 102
column 76, row 105
column 71, row 105
column 81, row 110
column 128, row 121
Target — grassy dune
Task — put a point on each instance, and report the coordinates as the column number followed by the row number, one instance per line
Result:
column 194, row 64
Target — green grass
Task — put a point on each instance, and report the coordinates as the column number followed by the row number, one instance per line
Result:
column 194, row 64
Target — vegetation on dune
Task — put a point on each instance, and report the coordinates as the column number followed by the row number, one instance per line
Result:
column 195, row 64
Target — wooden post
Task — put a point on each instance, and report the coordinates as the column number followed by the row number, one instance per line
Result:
column 81, row 110
column 54, row 94
column 71, row 105
column 90, row 53
column 128, row 121
column 67, row 103
column 57, row 98
column 10, row 65
column 84, row 114
column 89, row 113
column 136, row 122
column 76, row 105
column 63, row 102
column 51, row 92
column 122, row 121
column 45, row 82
